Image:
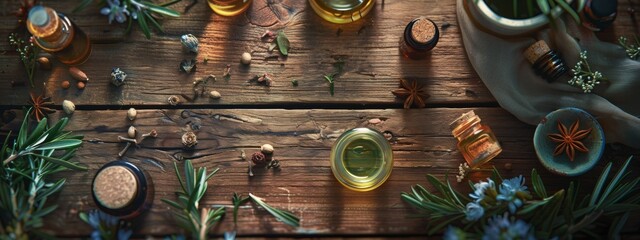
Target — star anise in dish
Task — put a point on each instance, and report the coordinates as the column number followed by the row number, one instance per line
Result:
column 41, row 106
column 413, row 93
column 569, row 139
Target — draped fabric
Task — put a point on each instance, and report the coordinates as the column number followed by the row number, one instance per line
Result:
column 500, row 63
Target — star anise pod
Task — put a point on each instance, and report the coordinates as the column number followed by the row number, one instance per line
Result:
column 41, row 106
column 413, row 93
column 569, row 139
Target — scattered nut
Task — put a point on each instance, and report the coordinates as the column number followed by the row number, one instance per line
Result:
column 77, row 74
column 44, row 62
column 215, row 95
column 132, row 132
column 189, row 139
column 246, row 58
column 68, row 106
column 173, row 100
column 132, row 113
column 80, row 85
column 266, row 149
column 258, row 158
column 65, row 84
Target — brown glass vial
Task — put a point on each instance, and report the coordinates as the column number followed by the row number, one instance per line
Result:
column 122, row 189
column 420, row 36
column 476, row 141
column 546, row 62
column 599, row 14
column 56, row 34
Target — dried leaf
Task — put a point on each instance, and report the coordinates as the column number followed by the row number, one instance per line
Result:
column 283, row 43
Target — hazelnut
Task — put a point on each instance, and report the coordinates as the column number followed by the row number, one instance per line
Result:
column 215, row 95
column 266, row 149
column 132, row 113
column 65, row 84
column 81, row 85
column 132, row 132
column 44, row 62
column 68, row 106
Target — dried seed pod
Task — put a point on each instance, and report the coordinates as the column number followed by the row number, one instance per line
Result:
column 68, row 107
column 117, row 77
column 65, row 84
column 246, row 58
column 81, row 85
column 258, row 158
column 215, row 95
column 173, row 100
column 44, row 62
column 189, row 42
column 132, row 113
column 77, row 74
column 132, row 132
column 189, row 139
column 266, row 149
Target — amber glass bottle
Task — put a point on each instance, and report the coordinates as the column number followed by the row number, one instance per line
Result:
column 229, row 7
column 342, row 11
column 419, row 37
column 56, row 34
column 476, row 141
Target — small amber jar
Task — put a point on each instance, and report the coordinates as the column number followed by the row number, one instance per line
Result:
column 122, row 189
column 476, row 141
column 419, row 37
column 546, row 62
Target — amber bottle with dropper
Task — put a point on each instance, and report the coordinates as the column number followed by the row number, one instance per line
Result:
column 56, row 34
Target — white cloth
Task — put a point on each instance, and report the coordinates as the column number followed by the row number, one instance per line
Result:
column 501, row 65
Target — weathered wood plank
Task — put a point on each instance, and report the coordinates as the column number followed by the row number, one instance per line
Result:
column 305, row 184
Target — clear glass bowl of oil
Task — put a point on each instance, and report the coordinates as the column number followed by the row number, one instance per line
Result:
column 361, row 159
column 229, row 7
column 342, row 11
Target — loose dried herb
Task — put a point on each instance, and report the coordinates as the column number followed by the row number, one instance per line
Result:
column 283, row 43
column 569, row 139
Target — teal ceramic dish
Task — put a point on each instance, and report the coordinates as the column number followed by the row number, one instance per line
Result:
column 561, row 164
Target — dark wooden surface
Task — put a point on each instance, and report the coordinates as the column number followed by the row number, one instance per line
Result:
column 301, row 122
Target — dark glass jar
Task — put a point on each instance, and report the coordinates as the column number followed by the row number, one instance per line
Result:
column 546, row 62
column 122, row 189
column 420, row 36
column 599, row 14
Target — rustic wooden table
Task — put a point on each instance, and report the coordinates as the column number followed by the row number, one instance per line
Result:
column 301, row 122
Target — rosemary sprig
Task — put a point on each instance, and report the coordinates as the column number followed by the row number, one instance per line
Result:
column 237, row 200
column 27, row 162
column 105, row 226
column 281, row 215
column 189, row 216
column 331, row 80
column 28, row 54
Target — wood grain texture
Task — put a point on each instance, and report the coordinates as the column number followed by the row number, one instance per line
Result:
column 305, row 185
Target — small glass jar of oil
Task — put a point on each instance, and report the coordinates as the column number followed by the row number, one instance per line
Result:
column 342, row 11
column 229, row 7
column 361, row 159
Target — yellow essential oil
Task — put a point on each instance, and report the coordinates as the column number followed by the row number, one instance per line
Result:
column 342, row 11
column 361, row 159
column 476, row 141
column 229, row 7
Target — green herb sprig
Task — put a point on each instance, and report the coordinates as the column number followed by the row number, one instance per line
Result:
column 281, row 215
column 237, row 200
column 28, row 54
column 197, row 221
column 27, row 162
column 561, row 214
column 338, row 67
column 330, row 79
column 144, row 12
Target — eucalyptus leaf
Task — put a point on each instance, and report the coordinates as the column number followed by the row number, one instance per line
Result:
column 283, row 43
column 281, row 215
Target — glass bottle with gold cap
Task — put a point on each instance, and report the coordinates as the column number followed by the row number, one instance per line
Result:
column 56, row 34
column 342, row 11
column 229, row 7
column 122, row 189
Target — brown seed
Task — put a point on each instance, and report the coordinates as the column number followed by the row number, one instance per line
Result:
column 65, row 84
column 81, row 85
column 44, row 62
column 78, row 74
column 508, row 166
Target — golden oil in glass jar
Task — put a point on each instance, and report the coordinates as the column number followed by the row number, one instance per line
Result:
column 56, row 34
column 476, row 141
column 342, row 11
column 229, row 7
column 361, row 159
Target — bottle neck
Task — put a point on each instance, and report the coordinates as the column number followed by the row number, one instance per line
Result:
column 52, row 31
column 466, row 128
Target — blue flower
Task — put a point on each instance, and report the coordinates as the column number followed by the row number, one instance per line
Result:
column 454, row 233
column 474, row 211
column 116, row 11
column 501, row 228
column 513, row 191
column 481, row 188
column 124, row 234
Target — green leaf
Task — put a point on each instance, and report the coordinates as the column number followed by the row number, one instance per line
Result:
column 60, row 144
column 283, row 43
column 538, row 186
column 544, row 6
column 598, row 188
column 37, row 134
column 281, row 215
column 617, row 225
column 22, row 134
column 175, row 167
column 172, row 203
column 142, row 22
column 154, row 22
column 69, row 165
column 569, row 10
column 614, row 182
column 161, row 10
column 84, row 4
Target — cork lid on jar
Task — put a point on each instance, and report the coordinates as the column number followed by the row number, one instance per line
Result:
column 423, row 31
column 536, row 50
column 115, row 187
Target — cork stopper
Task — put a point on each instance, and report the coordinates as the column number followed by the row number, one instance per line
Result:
column 423, row 31
column 115, row 187
column 536, row 50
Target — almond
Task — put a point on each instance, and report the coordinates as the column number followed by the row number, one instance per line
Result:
column 78, row 74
